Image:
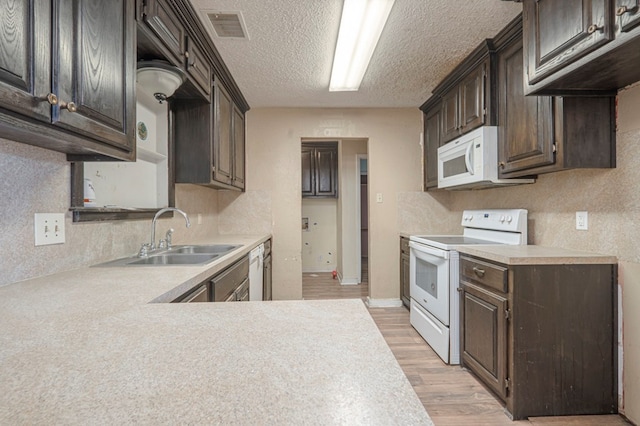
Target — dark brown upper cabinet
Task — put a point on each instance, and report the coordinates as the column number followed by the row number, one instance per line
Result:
column 67, row 76
column 542, row 134
column 239, row 148
column 166, row 32
column 432, row 141
column 320, row 170
column 463, row 101
column 210, row 142
column 468, row 94
column 570, row 46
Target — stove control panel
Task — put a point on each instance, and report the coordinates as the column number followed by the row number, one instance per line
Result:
column 510, row 220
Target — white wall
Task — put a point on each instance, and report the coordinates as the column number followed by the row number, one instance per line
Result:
column 320, row 241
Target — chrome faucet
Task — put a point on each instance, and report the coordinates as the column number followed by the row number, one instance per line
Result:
column 155, row 219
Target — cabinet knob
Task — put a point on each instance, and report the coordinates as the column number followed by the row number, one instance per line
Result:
column 502, row 164
column 69, row 106
column 593, row 28
column 186, row 54
column 52, row 99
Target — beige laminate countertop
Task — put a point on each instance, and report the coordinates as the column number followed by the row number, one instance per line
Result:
column 89, row 346
column 535, row 255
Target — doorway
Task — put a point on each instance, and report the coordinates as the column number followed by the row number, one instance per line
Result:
column 335, row 230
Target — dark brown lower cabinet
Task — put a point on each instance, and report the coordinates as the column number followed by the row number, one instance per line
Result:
column 267, row 275
column 405, row 272
column 542, row 337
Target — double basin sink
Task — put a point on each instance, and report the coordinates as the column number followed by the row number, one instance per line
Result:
column 177, row 255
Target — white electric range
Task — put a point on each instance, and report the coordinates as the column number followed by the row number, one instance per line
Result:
column 434, row 276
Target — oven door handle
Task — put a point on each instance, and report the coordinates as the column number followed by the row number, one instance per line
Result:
column 421, row 248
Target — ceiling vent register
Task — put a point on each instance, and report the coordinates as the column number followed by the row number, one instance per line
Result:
column 228, row 24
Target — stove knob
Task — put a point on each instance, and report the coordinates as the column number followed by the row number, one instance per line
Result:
column 509, row 219
column 470, row 217
column 501, row 219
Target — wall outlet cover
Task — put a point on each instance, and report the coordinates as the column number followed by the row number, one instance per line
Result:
column 582, row 221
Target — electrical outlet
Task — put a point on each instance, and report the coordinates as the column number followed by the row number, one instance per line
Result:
column 49, row 228
column 582, row 220
column 199, row 219
column 379, row 197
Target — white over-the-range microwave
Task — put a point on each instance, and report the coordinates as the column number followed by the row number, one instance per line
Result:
column 471, row 161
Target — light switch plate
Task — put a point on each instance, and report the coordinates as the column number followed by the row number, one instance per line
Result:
column 49, row 228
column 582, row 221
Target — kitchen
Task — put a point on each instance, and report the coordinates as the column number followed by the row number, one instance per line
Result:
column 37, row 180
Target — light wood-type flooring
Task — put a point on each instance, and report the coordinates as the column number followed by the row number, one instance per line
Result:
column 451, row 395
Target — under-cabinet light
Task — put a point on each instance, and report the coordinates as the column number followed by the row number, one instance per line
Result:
column 159, row 78
column 360, row 28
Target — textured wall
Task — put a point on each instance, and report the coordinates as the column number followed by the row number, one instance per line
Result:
column 273, row 165
column 35, row 180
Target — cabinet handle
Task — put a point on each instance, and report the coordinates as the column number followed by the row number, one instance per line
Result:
column 502, row 164
column 186, row 54
column 69, row 106
column 624, row 9
column 593, row 28
column 52, row 99
column 479, row 272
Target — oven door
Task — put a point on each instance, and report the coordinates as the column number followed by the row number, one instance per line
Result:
column 429, row 279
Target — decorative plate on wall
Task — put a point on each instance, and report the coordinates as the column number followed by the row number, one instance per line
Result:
column 142, row 131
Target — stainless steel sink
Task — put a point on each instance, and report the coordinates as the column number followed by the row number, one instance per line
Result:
column 211, row 249
column 174, row 259
column 177, row 255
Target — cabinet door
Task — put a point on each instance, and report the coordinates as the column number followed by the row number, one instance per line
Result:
column 484, row 336
column 198, row 67
column 308, row 171
column 628, row 14
column 559, row 32
column 526, row 122
column 450, row 115
column 238, row 149
column 223, row 136
column 472, row 100
column 160, row 17
column 94, row 69
column 25, row 57
column 431, row 145
column 326, row 170
column 404, row 278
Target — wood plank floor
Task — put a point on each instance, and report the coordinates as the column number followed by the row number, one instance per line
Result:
column 451, row 395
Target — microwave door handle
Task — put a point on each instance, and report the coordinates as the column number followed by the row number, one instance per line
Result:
column 467, row 159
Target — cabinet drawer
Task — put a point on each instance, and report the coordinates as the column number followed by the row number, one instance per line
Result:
column 225, row 283
column 487, row 274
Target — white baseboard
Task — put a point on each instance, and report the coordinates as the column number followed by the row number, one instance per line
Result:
column 349, row 281
column 383, row 303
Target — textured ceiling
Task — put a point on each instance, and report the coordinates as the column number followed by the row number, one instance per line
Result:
column 286, row 62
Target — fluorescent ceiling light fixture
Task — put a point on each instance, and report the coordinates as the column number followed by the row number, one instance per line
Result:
column 360, row 28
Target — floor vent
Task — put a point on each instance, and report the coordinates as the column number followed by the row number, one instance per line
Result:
column 228, row 24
